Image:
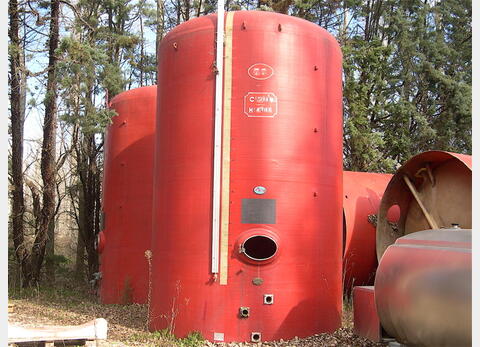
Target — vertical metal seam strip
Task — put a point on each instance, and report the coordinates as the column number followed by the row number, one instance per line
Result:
column 227, row 111
column 217, row 147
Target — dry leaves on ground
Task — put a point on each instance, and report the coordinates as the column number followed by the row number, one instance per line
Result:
column 127, row 323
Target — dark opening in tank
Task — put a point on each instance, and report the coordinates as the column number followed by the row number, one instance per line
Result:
column 256, row 337
column 259, row 247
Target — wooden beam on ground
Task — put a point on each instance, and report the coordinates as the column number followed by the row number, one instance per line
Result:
column 93, row 330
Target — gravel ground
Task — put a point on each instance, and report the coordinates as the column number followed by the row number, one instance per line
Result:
column 126, row 323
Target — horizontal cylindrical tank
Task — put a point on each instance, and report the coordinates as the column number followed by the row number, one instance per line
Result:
column 432, row 190
column 423, row 288
column 362, row 192
column 281, row 237
column 127, row 197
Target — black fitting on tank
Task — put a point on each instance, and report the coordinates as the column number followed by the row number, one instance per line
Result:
column 256, row 337
column 244, row 312
column 268, row 299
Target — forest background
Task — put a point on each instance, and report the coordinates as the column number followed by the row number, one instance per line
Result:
column 407, row 89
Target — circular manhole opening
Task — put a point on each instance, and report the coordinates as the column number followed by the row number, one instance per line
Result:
column 259, row 247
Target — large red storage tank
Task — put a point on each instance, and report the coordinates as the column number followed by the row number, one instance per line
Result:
column 432, row 190
column 281, row 208
column 127, row 197
column 362, row 193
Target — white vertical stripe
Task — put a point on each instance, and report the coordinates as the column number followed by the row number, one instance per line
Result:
column 227, row 112
column 217, row 150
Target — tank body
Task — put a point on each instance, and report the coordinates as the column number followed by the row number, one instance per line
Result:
column 423, row 288
column 432, row 190
column 362, row 193
column 281, row 217
column 127, row 197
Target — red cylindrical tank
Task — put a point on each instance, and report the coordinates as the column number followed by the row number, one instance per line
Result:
column 362, row 192
column 432, row 190
column 127, row 197
column 423, row 288
column 281, row 217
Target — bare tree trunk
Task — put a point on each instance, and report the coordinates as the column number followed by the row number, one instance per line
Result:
column 80, row 256
column 160, row 26
column 98, row 200
column 179, row 11
column 36, row 203
column 88, row 170
column 90, row 201
column 142, row 53
column 48, row 161
column 17, row 77
column 186, row 15
column 50, row 252
column 343, row 32
column 199, row 8
column 90, row 236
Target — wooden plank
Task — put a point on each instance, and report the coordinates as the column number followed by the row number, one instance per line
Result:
column 227, row 122
column 217, row 141
column 428, row 216
column 93, row 330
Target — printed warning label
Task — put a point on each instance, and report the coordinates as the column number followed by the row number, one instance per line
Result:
column 260, row 104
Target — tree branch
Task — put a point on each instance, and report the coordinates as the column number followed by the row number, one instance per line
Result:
column 77, row 14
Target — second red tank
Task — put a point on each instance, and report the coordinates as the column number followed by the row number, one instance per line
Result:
column 362, row 193
column 127, row 197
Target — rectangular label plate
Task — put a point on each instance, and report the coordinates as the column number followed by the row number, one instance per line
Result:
column 259, row 211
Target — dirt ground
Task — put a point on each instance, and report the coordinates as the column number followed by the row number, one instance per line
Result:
column 127, row 323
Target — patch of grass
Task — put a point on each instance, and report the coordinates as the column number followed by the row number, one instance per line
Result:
column 23, row 293
column 194, row 339
column 155, row 338
column 164, row 334
column 59, row 294
column 166, row 338
column 60, row 264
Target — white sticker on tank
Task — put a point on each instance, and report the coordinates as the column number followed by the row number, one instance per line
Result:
column 260, row 104
column 260, row 71
column 218, row 336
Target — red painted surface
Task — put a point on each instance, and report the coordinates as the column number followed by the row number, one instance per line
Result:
column 296, row 155
column 362, row 193
column 365, row 318
column 127, row 197
column 423, row 288
column 260, row 71
column 100, row 242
